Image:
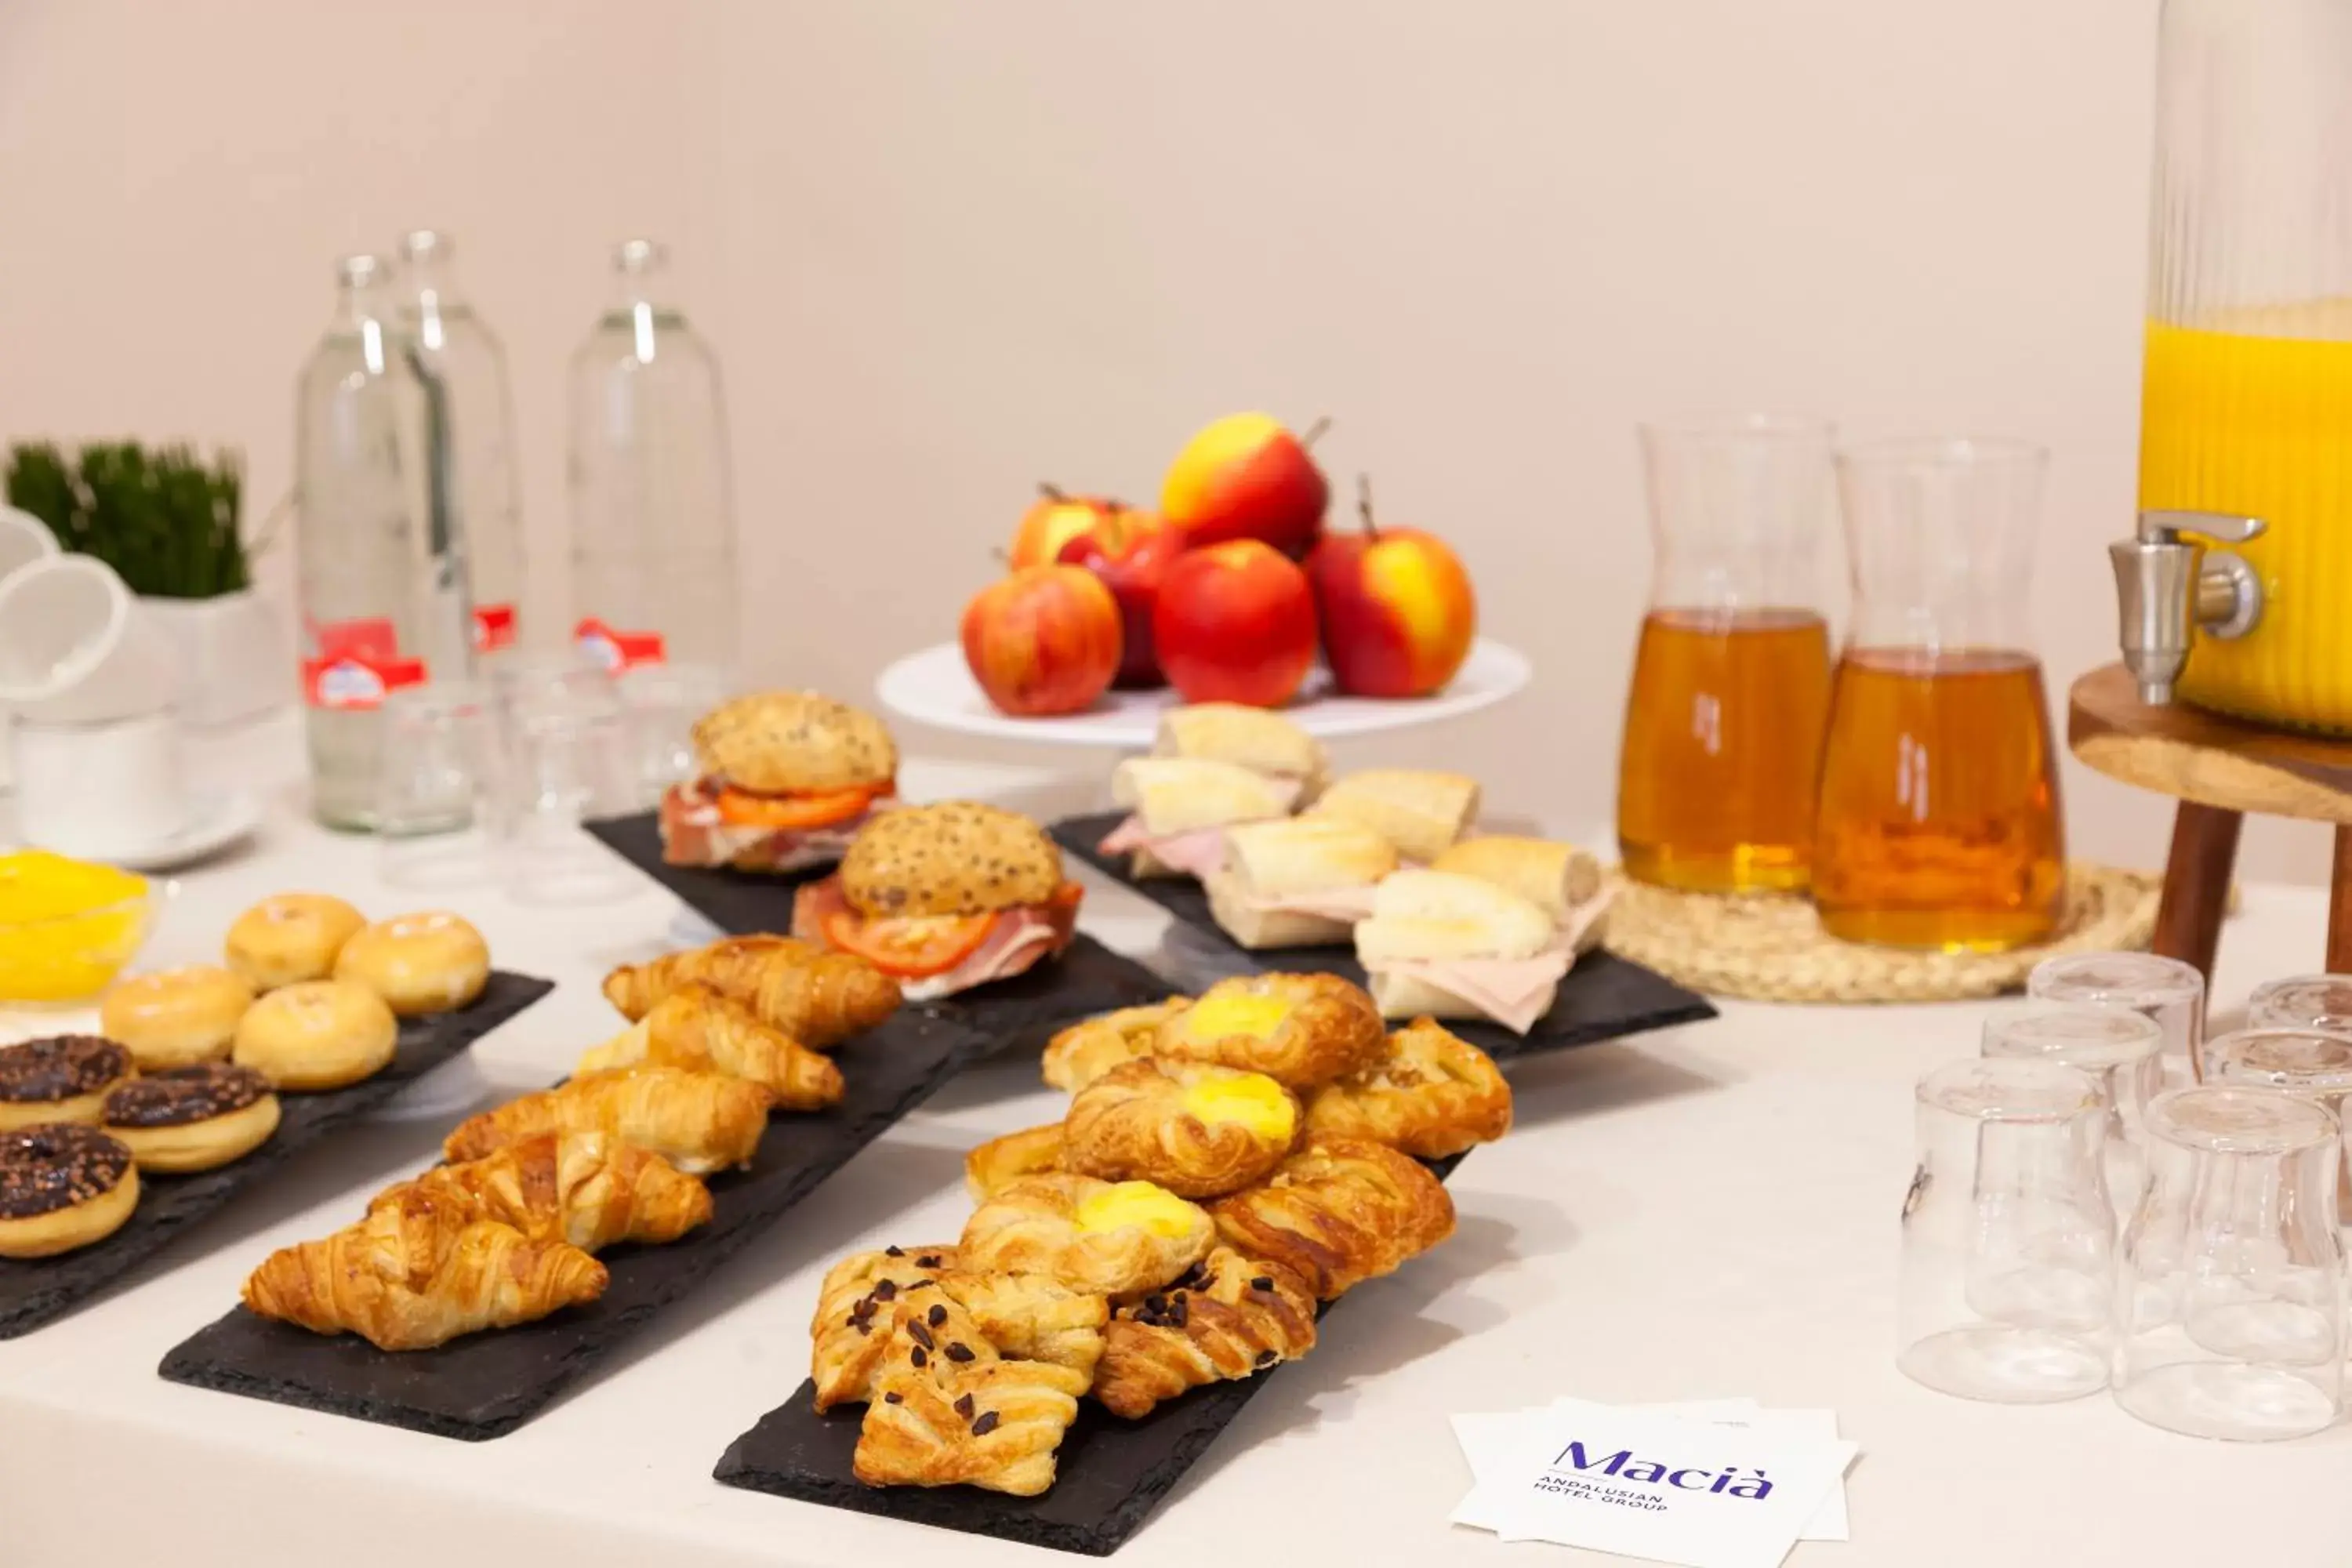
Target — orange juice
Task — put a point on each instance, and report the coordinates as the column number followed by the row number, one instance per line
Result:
column 1939, row 825
column 1723, row 734
column 2254, row 422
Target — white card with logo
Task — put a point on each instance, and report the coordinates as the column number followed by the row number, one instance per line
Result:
column 1666, row 1488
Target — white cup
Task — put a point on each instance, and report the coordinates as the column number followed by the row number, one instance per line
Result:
column 76, row 647
column 98, row 790
column 24, row 539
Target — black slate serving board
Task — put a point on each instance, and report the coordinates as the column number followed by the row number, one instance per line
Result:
column 1604, row 997
column 1020, row 1013
column 1110, row 1473
column 485, row 1386
column 33, row 1291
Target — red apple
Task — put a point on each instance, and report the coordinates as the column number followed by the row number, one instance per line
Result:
column 1129, row 550
column 1398, row 611
column 1044, row 640
column 1245, row 476
column 1235, row 622
column 1053, row 521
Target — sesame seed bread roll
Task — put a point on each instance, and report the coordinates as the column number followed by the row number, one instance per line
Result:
column 1421, row 813
column 958, row 857
column 1555, row 877
column 1252, row 737
column 779, row 742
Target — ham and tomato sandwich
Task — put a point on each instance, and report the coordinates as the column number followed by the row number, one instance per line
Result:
column 1443, row 945
column 1179, row 809
column 1421, row 813
column 1252, row 737
column 945, row 898
column 1303, row 881
column 786, row 779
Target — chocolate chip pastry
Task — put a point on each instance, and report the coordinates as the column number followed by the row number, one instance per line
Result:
column 854, row 1309
column 950, row 1410
column 1228, row 1317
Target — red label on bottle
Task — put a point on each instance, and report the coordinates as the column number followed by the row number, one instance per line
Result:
column 358, row 662
column 618, row 651
column 494, row 628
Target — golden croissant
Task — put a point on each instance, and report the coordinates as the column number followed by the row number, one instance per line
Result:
column 854, row 1309
column 1197, row 1130
column 698, row 1027
column 482, row 1276
column 1338, row 1212
column 699, row 1121
column 1433, row 1094
column 584, row 1188
column 818, row 998
column 1230, row 1317
column 948, row 1410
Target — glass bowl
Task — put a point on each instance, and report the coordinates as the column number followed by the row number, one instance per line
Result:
column 67, row 928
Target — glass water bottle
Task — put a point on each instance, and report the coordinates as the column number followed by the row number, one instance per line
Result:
column 652, row 523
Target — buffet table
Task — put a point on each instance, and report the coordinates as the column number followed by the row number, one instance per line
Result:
column 1699, row 1213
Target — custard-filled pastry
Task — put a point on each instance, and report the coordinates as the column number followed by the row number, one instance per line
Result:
column 1001, row 1162
column 584, row 1188
column 948, row 1410
column 853, row 1314
column 819, row 998
column 1433, row 1094
column 698, row 1027
column 1197, row 1130
column 1031, row 1318
column 1339, row 1212
column 483, row 1276
column 1103, row 1236
column 1300, row 1030
column 1085, row 1051
column 699, row 1121
column 1229, row 1317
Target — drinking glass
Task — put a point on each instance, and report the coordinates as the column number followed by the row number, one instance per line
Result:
column 2007, row 1236
column 1938, row 824
column 2165, row 989
column 522, row 679
column 663, row 701
column 1723, row 723
column 2303, row 1002
column 2310, row 1064
column 2122, row 1053
column 567, row 762
column 439, row 764
column 2229, row 1296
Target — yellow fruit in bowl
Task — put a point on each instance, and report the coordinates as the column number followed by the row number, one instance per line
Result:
column 67, row 927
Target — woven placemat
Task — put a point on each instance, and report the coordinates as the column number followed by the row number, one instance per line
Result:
column 1771, row 948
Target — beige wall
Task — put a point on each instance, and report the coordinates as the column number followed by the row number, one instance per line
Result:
column 948, row 250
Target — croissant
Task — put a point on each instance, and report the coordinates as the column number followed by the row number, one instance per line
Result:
column 854, row 1300
column 1110, row 1238
column 1300, row 1030
column 1199, row 1131
column 1230, row 1317
column 948, row 1410
column 1433, row 1094
column 1001, row 1162
column 699, row 1121
column 1085, row 1051
column 696, row 1026
column 1031, row 1318
column 487, row 1276
column 583, row 1188
column 818, row 998
column 1338, row 1212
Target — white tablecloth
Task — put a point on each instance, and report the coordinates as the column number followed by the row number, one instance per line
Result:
column 1698, row 1213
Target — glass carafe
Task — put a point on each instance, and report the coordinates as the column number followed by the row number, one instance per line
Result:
column 1939, row 824
column 1723, row 724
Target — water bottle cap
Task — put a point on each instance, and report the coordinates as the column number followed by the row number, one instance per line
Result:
column 419, row 244
column 639, row 256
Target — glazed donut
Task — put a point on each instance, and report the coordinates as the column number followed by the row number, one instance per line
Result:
column 320, row 1034
column 62, row 1185
column 430, row 962
column 193, row 1118
column 62, row 1078
column 175, row 1017
column 288, row 937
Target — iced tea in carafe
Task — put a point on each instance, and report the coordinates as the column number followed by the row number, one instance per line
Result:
column 1939, row 824
column 1731, row 677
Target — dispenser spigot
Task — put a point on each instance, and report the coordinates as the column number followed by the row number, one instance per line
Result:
column 2168, row 586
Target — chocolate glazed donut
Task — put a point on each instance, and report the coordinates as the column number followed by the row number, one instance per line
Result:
column 62, row 1078
column 193, row 1118
column 62, row 1185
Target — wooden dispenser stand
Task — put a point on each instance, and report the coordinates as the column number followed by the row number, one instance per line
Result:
column 2219, row 769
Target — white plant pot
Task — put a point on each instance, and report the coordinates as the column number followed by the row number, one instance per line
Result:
column 232, row 654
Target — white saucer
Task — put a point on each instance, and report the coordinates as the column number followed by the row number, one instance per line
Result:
column 216, row 821
column 935, row 687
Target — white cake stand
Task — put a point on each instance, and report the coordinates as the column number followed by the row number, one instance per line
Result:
column 934, row 687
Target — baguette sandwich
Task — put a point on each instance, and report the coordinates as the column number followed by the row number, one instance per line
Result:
column 1250, row 738
column 1303, row 881
column 785, row 780
column 1179, row 808
column 1421, row 813
column 944, row 898
column 1558, row 878
column 1444, row 945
